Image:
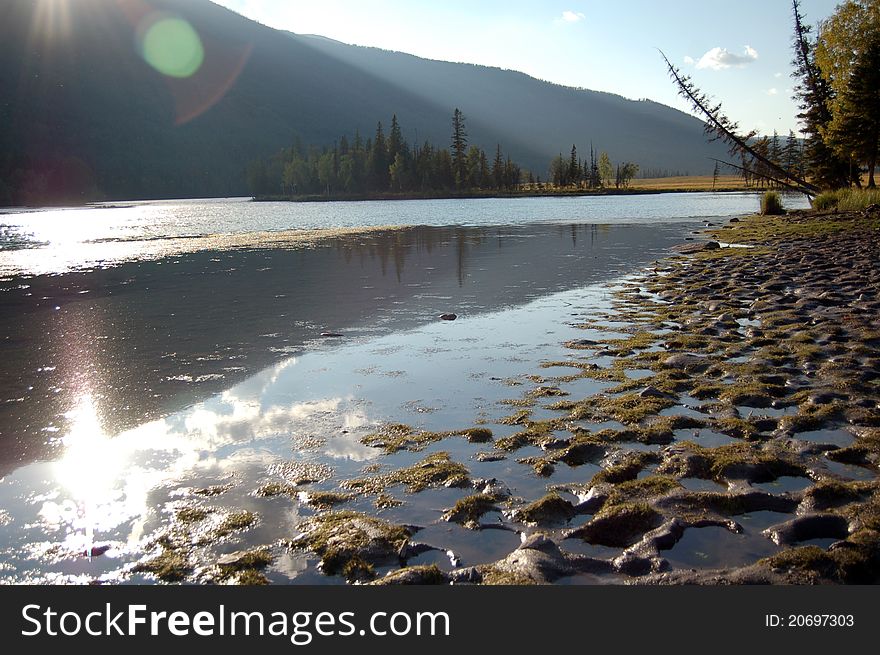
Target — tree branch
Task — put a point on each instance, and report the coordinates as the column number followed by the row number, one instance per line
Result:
column 726, row 130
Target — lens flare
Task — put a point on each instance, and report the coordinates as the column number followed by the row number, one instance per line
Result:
column 173, row 47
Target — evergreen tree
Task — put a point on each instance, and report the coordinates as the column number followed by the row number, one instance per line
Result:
column 498, row 168
column 855, row 129
column 395, row 139
column 378, row 162
column 485, row 173
column 574, row 169
column 595, row 180
column 559, row 171
column 815, row 97
column 791, row 152
column 459, row 148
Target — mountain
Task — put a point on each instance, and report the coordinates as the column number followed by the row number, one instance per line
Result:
column 84, row 115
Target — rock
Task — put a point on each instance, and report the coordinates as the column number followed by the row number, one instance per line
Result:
column 490, row 457
column 493, row 487
column 236, row 558
column 651, row 392
column 691, row 248
column 447, row 317
column 810, row 526
column 330, row 334
column 686, row 362
column 414, row 549
column 524, row 565
column 554, row 443
column 343, row 537
column 582, row 343
column 551, row 509
column 414, row 575
column 540, row 542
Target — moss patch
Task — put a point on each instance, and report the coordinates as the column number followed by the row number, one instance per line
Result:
column 468, row 510
column 436, row 470
column 234, row 522
column 190, row 515
column 630, row 408
column 421, row 575
column 169, row 566
column 620, row 525
column 326, row 499
column 244, row 565
column 272, row 489
column 346, row 539
column 552, row 508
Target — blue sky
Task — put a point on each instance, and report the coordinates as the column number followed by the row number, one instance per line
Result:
column 738, row 52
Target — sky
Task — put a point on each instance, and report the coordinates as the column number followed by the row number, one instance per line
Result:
column 737, row 52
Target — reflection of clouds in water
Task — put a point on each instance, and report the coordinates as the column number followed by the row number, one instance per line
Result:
column 110, row 481
column 349, row 447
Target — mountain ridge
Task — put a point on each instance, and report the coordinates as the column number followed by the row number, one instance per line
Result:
column 88, row 118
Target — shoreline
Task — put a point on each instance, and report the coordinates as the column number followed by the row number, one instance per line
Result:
column 467, row 195
column 713, row 418
column 754, row 419
column 774, row 350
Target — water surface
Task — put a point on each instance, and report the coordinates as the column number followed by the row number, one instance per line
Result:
column 134, row 375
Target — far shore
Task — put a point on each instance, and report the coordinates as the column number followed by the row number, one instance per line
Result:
column 701, row 184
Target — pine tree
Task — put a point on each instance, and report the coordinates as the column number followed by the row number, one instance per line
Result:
column 459, row 148
column 498, row 168
column 856, row 128
column 574, row 172
column 791, row 152
column 815, row 96
column 595, row 180
column 379, row 160
column 395, row 139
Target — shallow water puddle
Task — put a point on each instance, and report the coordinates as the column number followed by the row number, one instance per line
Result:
column 785, row 483
column 715, row 547
column 840, row 438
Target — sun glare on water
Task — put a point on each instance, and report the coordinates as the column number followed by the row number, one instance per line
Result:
column 89, row 471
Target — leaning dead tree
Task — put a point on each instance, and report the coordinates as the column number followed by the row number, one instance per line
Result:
column 720, row 128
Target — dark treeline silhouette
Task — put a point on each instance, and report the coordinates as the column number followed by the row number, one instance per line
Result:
column 597, row 173
column 383, row 164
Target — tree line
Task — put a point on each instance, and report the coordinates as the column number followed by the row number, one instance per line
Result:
column 788, row 153
column 838, row 89
column 597, row 173
column 383, row 164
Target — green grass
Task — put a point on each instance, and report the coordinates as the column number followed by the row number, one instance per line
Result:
column 771, row 204
column 857, row 199
column 847, row 199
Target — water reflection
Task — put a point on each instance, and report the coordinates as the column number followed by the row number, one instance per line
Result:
column 148, row 338
column 307, row 413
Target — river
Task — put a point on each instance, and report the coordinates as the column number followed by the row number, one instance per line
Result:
column 151, row 349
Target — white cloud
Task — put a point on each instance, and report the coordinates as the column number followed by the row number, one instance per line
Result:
column 721, row 58
column 777, row 75
column 688, row 60
column 772, row 92
column 572, row 17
